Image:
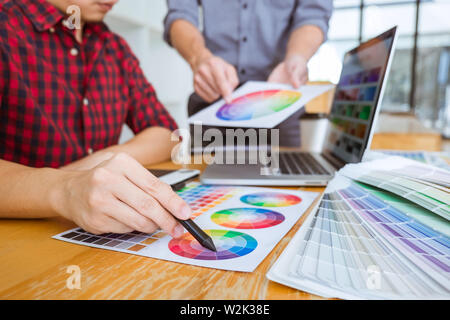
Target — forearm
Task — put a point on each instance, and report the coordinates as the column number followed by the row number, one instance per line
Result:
column 150, row 146
column 305, row 41
column 28, row 192
column 188, row 41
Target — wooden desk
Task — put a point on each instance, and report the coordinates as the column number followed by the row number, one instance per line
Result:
column 33, row 266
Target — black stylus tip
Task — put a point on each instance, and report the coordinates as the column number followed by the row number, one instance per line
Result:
column 209, row 244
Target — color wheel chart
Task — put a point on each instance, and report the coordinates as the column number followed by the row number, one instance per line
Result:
column 270, row 199
column 234, row 217
column 229, row 244
column 247, row 218
column 258, row 104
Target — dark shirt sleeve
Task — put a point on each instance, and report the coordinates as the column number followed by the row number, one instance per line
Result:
column 313, row 12
column 144, row 109
column 180, row 9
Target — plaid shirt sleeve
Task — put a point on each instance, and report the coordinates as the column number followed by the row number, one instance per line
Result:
column 3, row 75
column 144, row 110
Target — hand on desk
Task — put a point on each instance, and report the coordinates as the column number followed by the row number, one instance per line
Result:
column 119, row 195
column 214, row 78
column 293, row 70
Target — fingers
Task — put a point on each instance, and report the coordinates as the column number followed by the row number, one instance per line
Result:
column 221, row 79
column 149, row 209
column 101, row 223
column 279, row 74
column 154, row 187
column 120, row 196
column 295, row 76
column 127, row 216
column 215, row 78
column 204, row 90
column 232, row 77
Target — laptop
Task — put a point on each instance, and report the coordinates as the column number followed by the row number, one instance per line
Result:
column 350, row 126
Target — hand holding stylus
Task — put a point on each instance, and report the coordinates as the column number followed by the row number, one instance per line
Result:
column 119, row 195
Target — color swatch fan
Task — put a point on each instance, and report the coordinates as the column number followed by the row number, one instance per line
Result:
column 258, row 104
column 380, row 232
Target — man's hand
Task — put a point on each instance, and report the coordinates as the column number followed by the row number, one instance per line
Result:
column 293, row 70
column 214, row 78
column 119, row 195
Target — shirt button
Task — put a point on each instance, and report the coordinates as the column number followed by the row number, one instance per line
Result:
column 242, row 71
column 74, row 51
column 85, row 102
column 52, row 30
column 90, row 151
column 244, row 6
column 244, row 39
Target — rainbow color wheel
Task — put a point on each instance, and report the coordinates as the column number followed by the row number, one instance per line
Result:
column 271, row 199
column 247, row 218
column 229, row 244
column 258, row 104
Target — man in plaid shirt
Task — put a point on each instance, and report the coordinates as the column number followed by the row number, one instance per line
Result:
column 65, row 92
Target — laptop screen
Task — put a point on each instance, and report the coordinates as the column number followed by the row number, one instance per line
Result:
column 357, row 97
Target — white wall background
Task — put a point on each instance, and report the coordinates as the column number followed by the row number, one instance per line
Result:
column 140, row 22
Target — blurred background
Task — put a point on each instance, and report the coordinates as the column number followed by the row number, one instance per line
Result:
column 417, row 96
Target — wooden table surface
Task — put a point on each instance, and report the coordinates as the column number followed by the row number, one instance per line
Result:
column 34, row 266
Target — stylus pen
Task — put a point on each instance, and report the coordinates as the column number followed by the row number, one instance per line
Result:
column 194, row 229
column 198, row 233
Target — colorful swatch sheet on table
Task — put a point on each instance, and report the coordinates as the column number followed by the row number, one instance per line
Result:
column 244, row 223
column 258, row 105
column 422, row 184
column 361, row 244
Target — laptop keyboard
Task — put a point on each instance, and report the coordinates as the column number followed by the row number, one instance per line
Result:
column 293, row 163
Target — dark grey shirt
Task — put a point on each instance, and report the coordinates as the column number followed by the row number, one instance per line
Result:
column 250, row 34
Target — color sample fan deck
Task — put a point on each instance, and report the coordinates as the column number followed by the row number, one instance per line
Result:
column 271, row 199
column 247, row 218
column 229, row 244
column 257, row 104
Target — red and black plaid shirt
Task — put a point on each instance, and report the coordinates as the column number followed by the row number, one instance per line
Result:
column 59, row 99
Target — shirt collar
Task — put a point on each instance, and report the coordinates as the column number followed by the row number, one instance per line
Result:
column 41, row 13
column 44, row 16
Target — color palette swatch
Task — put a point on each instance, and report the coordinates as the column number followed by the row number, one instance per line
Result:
column 258, row 104
column 202, row 198
column 271, row 199
column 132, row 242
column 422, row 184
column 229, row 244
column 247, row 218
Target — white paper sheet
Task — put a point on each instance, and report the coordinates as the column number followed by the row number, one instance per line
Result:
column 266, row 237
column 251, row 108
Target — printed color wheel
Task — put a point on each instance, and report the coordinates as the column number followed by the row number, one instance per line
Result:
column 270, row 199
column 247, row 218
column 229, row 244
column 257, row 104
